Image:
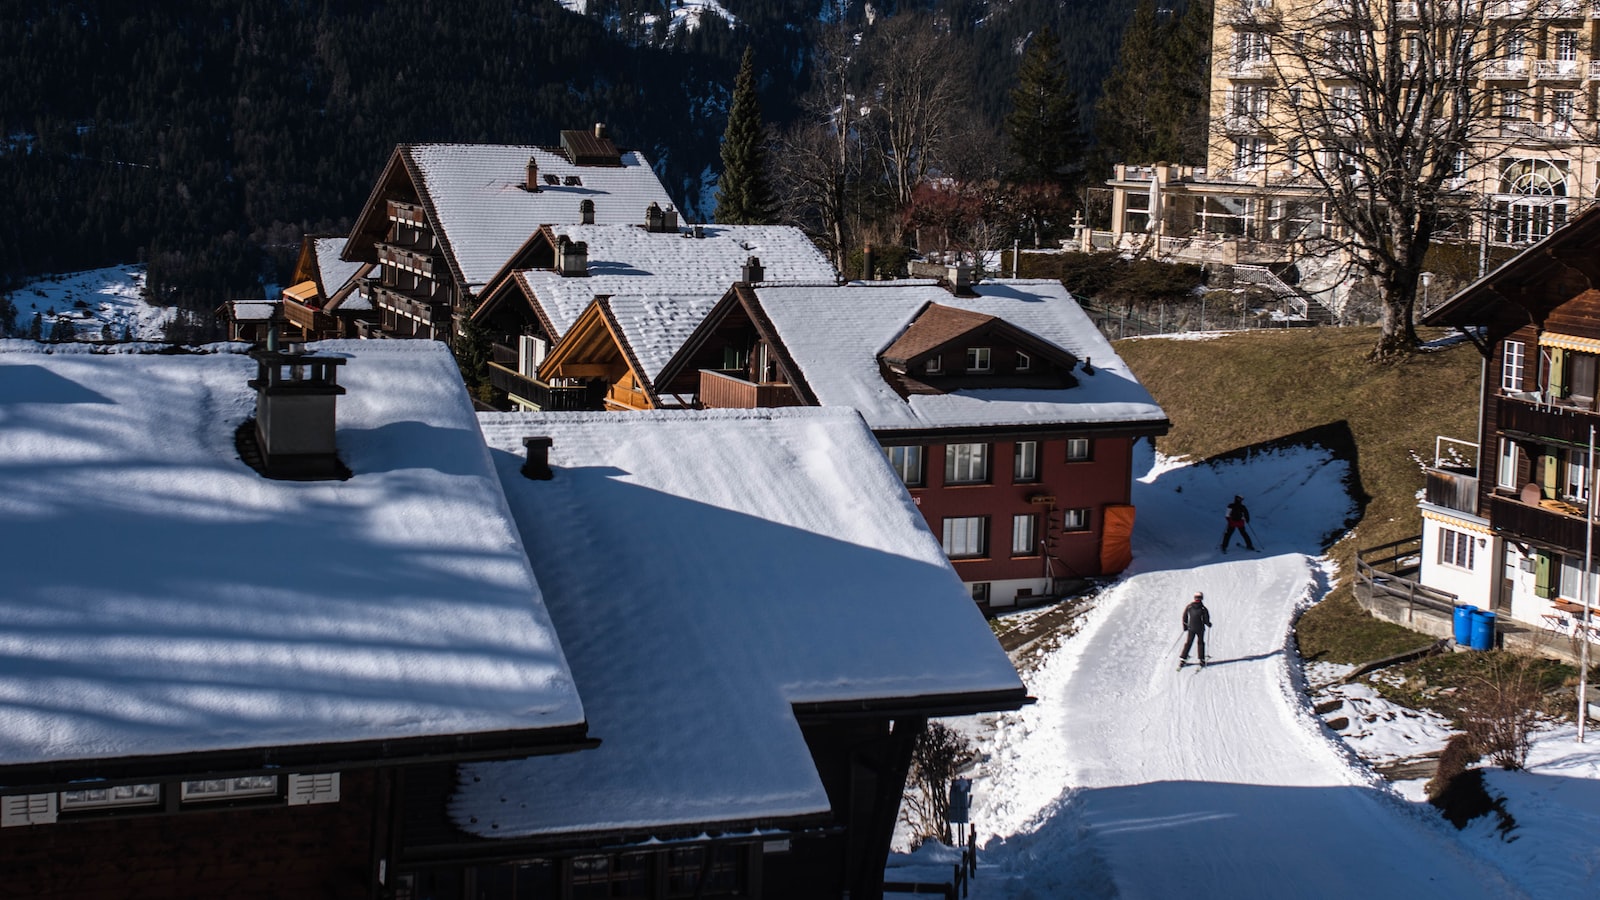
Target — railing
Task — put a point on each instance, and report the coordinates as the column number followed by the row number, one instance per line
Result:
column 1557, row 69
column 544, row 396
column 407, row 214
column 1387, row 570
column 1559, row 524
column 1545, row 131
column 308, row 318
column 1506, row 69
column 961, row 875
column 398, row 301
column 1451, row 489
column 410, row 260
column 1559, row 424
column 724, row 390
column 1247, row 68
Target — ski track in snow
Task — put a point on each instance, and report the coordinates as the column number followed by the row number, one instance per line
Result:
column 1130, row 778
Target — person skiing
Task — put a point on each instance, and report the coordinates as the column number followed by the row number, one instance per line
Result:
column 1238, row 517
column 1196, row 619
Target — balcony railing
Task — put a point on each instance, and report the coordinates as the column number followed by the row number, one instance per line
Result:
column 544, row 396
column 1506, row 69
column 726, row 390
column 1452, row 489
column 399, row 301
column 1248, row 68
column 1550, row 523
column 407, row 259
column 307, row 318
column 1551, row 423
column 407, row 214
column 1558, row 69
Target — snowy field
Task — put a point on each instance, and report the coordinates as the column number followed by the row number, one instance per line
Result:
column 91, row 301
column 1130, row 778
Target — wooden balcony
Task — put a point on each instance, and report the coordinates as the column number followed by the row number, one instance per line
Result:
column 407, row 214
column 1452, row 489
column 1551, row 524
column 544, row 396
column 308, row 319
column 726, row 390
column 408, row 259
column 397, row 300
column 1549, row 423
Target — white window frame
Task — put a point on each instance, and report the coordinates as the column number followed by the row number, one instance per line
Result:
column 112, row 797
column 1025, row 462
column 1075, row 519
column 979, row 359
column 531, row 351
column 966, row 464
column 1080, row 450
column 1575, row 486
column 908, row 462
column 966, row 537
column 934, row 365
column 1566, row 45
column 1456, row 549
column 1513, row 361
column 1507, row 474
column 1024, row 362
column 210, row 790
column 1025, row 535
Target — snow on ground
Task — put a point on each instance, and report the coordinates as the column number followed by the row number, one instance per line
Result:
column 1130, row 778
column 92, row 300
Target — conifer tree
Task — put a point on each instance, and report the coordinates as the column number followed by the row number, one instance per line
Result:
column 1042, row 132
column 36, row 327
column 1185, row 83
column 1133, row 119
column 744, row 195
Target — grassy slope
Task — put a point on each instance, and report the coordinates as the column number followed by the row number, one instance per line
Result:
column 1245, row 389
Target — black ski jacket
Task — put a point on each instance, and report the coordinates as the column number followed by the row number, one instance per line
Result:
column 1196, row 618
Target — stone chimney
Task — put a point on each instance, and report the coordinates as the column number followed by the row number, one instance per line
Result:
column 669, row 220
column 960, row 276
column 572, row 257
column 866, row 263
column 537, row 465
column 533, row 175
column 653, row 218
column 294, row 427
column 586, row 211
column 752, row 271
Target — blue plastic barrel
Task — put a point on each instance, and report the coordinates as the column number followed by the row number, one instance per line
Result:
column 1463, row 623
column 1482, row 629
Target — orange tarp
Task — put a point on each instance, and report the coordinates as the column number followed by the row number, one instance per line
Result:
column 1116, row 541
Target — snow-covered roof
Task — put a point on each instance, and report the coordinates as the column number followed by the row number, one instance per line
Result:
column 708, row 570
column 251, row 310
column 334, row 272
column 631, row 260
column 836, row 334
column 478, row 197
column 161, row 597
column 655, row 326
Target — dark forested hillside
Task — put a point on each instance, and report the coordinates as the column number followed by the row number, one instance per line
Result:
column 205, row 136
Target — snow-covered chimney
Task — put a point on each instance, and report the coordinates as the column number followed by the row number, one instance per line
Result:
column 752, row 271
column 586, row 211
column 296, row 394
column 537, row 466
column 653, row 217
column 572, row 257
column 532, row 183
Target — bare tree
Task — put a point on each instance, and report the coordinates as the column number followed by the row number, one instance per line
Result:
column 919, row 78
column 1380, row 110
column 940, row 754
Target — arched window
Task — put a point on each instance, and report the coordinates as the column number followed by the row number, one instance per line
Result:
column 1532, row 201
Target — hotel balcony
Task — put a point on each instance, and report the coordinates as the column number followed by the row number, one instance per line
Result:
column 1506, row 70
column 1558, row 70
column 726, row 390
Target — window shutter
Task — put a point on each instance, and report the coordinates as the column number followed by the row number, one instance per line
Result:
column 27, row 809
column 1551, row 474
column 1543, row 569
column 308, row 789
column 1558, row 372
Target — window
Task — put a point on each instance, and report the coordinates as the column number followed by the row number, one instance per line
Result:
column 1075, row 520
column 1508, row 464
column 1249, row 153
column 1511, row 364
column 734, row 359
column 1576, row 485
column 966, row 537
column 112, row 797
column 230, row 788
column 1249, row 47
column 1079, row 450
column 1344, row 104
column 1025, row 535
column 1566, row 46
column 1024, row 361
column 966, row 463
column 1571, row 585
column 1562, row 103
column 530, row 353
column 907, row 462
column 935, row 365
column 622, row 875
column 1455, row 548
column 1510, row 104
column 1581, row 376
column 1025, row 462
column 980, row 592
column 977, row 359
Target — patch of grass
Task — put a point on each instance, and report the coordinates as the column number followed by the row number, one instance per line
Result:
column 1437, row 682
column 1250, row 389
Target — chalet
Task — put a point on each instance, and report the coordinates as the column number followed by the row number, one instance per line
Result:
column 756, row 662
column 222, row 684
column 674, row 273
column 443, row 219
column 1511, row 533
column 323, row 299
column 1003, row 409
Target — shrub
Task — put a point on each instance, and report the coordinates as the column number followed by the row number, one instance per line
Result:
column 1501, row 707
column 940, row 753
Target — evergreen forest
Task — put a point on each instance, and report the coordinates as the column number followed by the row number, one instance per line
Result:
column 205, row 137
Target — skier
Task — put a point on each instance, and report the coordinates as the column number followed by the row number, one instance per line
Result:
column 1238, row 517
column 1196, row 619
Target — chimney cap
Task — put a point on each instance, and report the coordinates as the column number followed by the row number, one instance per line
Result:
column 537, row 466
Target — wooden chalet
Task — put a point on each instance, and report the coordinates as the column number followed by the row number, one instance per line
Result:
column 1017, row 449
column 1509, row 533
column 323, row 299
column 443, row 219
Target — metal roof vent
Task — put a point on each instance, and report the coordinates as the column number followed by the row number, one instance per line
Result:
column 537, row 466
column 753, row 271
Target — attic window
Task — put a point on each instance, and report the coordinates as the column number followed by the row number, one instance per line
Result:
column 1024, row 362
column 935, row 365
column 573, row 181
column 108, row 797
column 551, row 179
column 977, row 359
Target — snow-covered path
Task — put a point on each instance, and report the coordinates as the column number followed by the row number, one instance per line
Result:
column 1131, row 778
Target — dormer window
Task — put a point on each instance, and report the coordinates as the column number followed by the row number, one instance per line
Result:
column 1024, row 362
column 935, row 365
column 552, row 179
column 977, row 359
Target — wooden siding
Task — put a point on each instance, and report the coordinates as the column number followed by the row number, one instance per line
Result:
column 1578, row 316
column 1556, row 424
column 1452, row 490
column 325, row 851
column 314, row 322
column 1547, row 527
column 724, row 391
column 546, row 397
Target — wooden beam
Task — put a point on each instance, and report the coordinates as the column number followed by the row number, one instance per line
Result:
column 587, row 370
